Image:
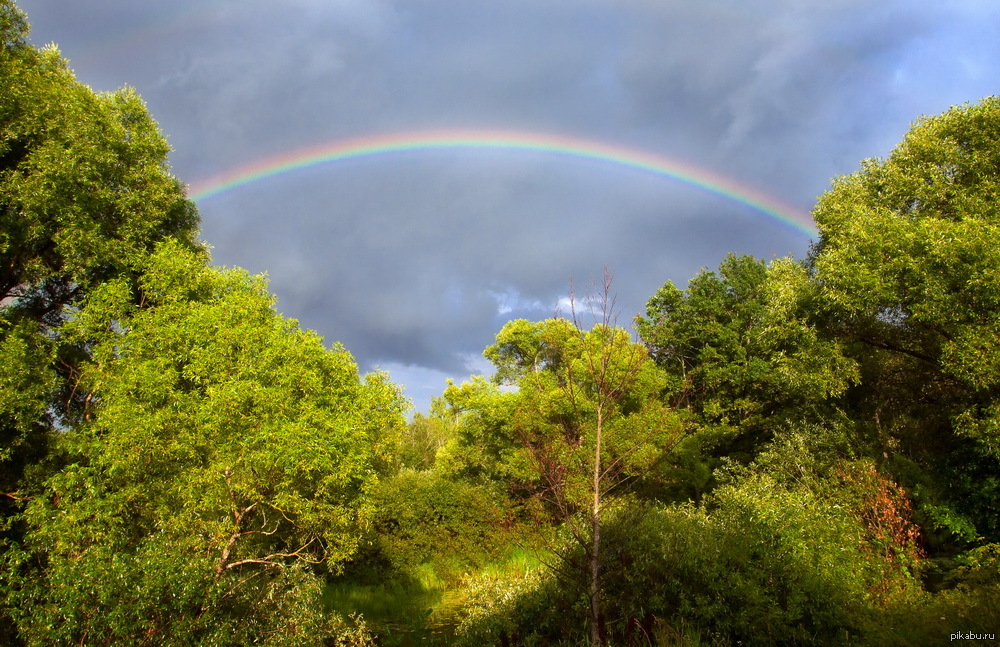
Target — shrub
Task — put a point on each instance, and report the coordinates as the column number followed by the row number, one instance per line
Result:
column 760, row 564
column 423, row 517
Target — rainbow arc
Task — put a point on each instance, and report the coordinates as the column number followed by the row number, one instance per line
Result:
column 574, row 147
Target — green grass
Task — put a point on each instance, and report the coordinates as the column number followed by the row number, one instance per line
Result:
column 422, row 605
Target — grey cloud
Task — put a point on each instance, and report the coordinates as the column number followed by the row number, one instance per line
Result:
column 416, row 260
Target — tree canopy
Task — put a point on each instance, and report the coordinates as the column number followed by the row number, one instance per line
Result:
column 907, row 265
column 250, row 462
column 180, row 463
column 85, row 195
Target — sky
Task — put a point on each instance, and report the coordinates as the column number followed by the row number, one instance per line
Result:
column 414, row 257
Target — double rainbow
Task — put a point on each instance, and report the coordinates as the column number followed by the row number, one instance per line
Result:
column 559, row 145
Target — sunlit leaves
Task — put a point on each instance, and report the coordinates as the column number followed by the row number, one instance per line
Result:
column 909, row 268
column 221, row 437
column 85, row 195
column 565, row 378
column 916, row 234
column 84, row 186
column 741, row 349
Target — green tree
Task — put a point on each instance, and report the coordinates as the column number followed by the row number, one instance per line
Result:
column 85, row 194
column 744, row 357
column 587, row 419
column 426, row 518
column 85, row 191
column 908, row 265
column 484, row 447
column 220, row 467
column 757, row 563
column 425, row 435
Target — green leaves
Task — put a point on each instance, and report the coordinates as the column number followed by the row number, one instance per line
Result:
column 915, row 235
column 566, row 380
column 84, row 186
column 85, row 195
column 908, row 268
column 743, row 352
column 13, row 28
column 222, row 442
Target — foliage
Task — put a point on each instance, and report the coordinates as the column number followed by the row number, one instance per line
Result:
column 772, row 465
column 352, row 632
column 85, row 194
column 247, row 470
column 13, row 27
column 979, row 574
column 744, row 357
column 554, row 413
column 802, row 570
column 908, row 271
column 422, row 517
column 505, row 608
column 823, row 461
column 484, row 446
column 426, row 435
column 760, row 564
column 969, row 605
column 588, row 420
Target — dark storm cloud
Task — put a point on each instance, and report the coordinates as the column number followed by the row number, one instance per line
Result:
column 414, row 261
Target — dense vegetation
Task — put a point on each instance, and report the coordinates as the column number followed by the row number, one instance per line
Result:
column 792, row 452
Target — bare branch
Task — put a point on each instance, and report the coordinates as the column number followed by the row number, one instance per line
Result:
column 269, row 560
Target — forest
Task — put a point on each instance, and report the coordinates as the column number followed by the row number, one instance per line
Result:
column 784, row 452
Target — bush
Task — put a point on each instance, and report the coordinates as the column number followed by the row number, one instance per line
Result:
column 422, row 517
column 518, row 605
column 759, row 564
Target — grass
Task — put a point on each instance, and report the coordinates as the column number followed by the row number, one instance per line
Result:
column 422, row 605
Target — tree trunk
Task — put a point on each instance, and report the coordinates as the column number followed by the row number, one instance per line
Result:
column 596, row 640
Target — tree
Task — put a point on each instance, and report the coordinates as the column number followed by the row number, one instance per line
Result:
column 219, row 468
column 587, row 418
column 85, row 194
column 908, row 268
column 85, row 191
column 425, row 435
column 745, row 357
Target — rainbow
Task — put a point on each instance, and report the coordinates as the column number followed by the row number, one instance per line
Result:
column 638, row 160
